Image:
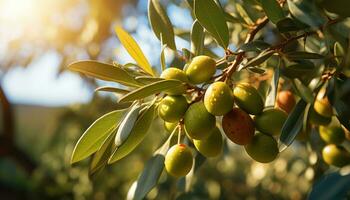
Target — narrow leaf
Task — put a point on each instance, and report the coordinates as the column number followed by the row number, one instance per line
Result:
column 292, row 126
column 134, row 50
column 111, row 89
column 138, row 133
column 304, row 92
column 256, row 45
column 160, row 23
column 147, row 80
column 197, row 38
column 262, row 57
column 271, row 97
column 243, row 13
column 150, row 89
column 94, row 136
column 212, row 18
column 297, row 55
column 273, row 10
column 104, row 71
column 306, row 12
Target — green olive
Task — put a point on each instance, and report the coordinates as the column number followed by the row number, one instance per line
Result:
column 201, row 69
column 285, row 101
column 218, row 99
column 177, row 74
column 238, row 126
column 248, row 98
column 178, row 161
column 270, row 121
column 322, row 105
column 211, row 146
column 263, row 148
column 318, row 119
column 172, row 108
column 332, row 134
column 198, row 121
column 335, row 155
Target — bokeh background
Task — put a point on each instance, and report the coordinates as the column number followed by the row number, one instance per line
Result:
column 45, row 109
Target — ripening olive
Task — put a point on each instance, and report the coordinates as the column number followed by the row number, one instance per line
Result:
column 332, row 134
column 172, row 108
column 248, row 98
column 263, row 148
column 318, row 119
column 178, row 161
column 285, row 101
column 177, row 74
column 270, row 121
column 218, row 99
column 322, row 105
column 335, row 155
column 170, row 126
column 340, row 7
column 211, row 146
column 198, row 121
column 238, row 126
column 201, row 69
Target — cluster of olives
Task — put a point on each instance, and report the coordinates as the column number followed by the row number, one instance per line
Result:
column 330, row 132
column 245, row 121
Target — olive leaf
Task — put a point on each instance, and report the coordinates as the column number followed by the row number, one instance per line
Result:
column 256, row 45
column 104, row 71
column 289, row 25
column 292, row 125
column 304, row 92
column 273, row 10
column 262, row 57
column 160, row 23
column 94, row 136
column 162, row 56
column 243, row 13
column 214, row 22
column 111, row 89
column 134, row 50
column 197, row 38
column 147, row 80
column 137, row 134
column 271, row 97
column 297, row 55
column 306, row 12
column 150, row 89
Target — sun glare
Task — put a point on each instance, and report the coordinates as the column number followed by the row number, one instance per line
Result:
column 17, row 10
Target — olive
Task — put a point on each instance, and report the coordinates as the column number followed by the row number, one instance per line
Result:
column 263, row 148
column 248, row 98
column 335, row 155
column 201, row 69
column 218, row 99
column 285, row 101
column 176, row 74
column 270, row 121
column 172, row 108
column 211, row 146
column 332, row 134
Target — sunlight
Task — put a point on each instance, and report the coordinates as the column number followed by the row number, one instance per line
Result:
column 17, row 10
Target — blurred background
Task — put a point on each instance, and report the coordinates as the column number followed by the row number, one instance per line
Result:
column 45, row 109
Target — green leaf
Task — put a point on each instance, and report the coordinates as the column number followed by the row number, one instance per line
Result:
column 95, row 135
column 243, row 13
column 289, row 25
column 134, row 50
column 111, row 89
column 100, row 158
column 273, row 10
column 197, row 38
column 271, row 97
column 306, row 12
column 292, row 125
column 126, row 125
column 160, row 23
column 297, row 55
column 261, row 58
column 212, row 18
column 304, row 92
column 256, row 46
column 104, row 71
column 149, row 177
column 331, row 186
column 150, row 89
column 147, row 80
column 338, row 52
column 162, row 57
column 256, row 70
column 136, row 135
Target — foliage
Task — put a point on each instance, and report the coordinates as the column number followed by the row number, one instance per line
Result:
column 308, row 55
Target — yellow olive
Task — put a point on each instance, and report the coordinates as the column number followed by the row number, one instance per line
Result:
column 172, row 108
column 218, row 99
column 211, row 146
column 332, row 134
column 248, row 98
column 318, row 119
column 178, row 161
column 201, row 69
column 263, row 148
column 170, row 126
column 285, row 101
column 270, row 121
column 177, row 74
column 238, row 126
column 322, row 105
column 335, row 155
column 198, row 121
